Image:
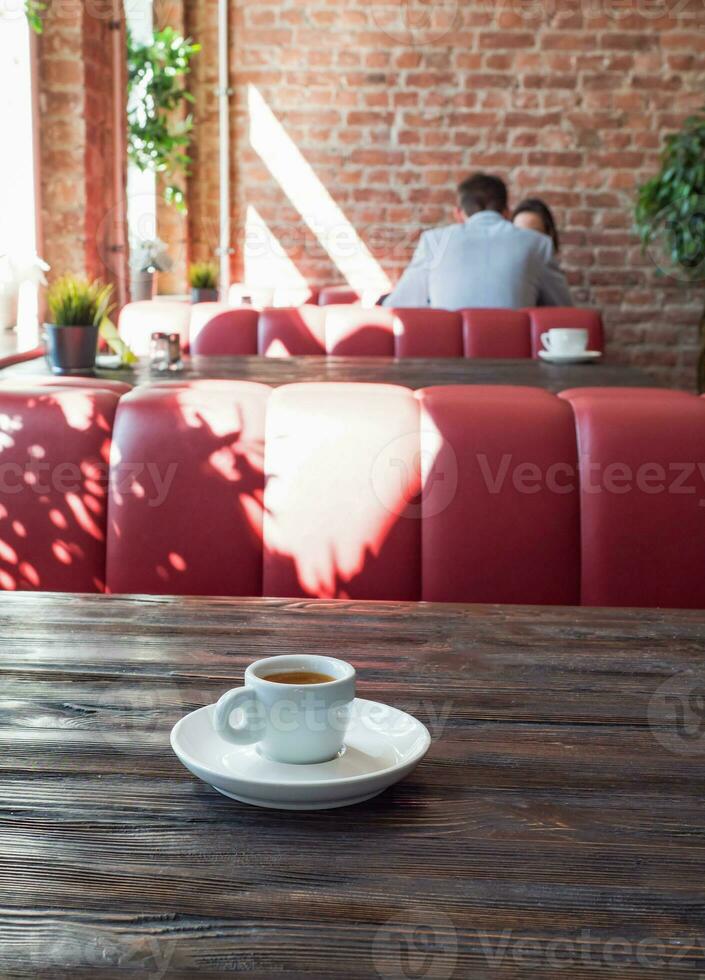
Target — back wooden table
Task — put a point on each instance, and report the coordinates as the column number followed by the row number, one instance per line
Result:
column 412, row 372
column 554, row 830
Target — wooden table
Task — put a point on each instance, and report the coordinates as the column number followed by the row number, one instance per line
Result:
column 555, row 830
column 413, row 372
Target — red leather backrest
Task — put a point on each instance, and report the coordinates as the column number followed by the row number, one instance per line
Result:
column 217, row 329
column 496, row 333
column 138, row 321
column 294, row 295
column 342, row 469
column 334, row 295
column 642, row 462
column 500, row 500
column 356, row 332
column 54, row 451
column 292, row 331
column 427, row 333
column 545, row 318
column 186, row 487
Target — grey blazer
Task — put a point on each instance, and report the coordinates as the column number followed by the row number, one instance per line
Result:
column 484, row 262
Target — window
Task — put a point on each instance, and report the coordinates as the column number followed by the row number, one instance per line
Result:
column 18, row 231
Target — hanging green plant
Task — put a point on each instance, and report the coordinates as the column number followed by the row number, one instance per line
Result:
column 159, row 127
column 670, row 214
column 33, row 10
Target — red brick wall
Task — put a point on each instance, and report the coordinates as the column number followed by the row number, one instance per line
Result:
column 81, row 219
column 62, row 141
column 104, row 214
column 202, row 24
column 569, row 101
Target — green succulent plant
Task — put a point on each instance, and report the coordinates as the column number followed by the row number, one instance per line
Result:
column 75, row 302
column 203, row 275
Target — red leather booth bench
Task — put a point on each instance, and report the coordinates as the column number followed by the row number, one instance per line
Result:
column 460, row 493
column 216, row 329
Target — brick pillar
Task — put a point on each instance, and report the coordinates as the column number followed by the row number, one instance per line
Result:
column 203, row 186
column 82, row 216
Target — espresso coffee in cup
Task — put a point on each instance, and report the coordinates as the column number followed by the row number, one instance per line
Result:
column 298, row 677
column 296, row 708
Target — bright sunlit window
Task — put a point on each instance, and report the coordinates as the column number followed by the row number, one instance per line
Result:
column 141, row 185
column 18, row 245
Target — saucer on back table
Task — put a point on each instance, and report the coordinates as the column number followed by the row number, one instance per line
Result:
column 582, row 357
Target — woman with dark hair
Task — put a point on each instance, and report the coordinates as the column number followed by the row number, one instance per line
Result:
column 535, row 214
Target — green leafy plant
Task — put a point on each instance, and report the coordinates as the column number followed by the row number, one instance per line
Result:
column 75, row 302
column 670, row 213
column 34, row 10
column 203, row 275
column 109, row 333
column 158, row 127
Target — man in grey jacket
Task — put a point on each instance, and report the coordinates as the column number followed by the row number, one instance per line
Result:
column 483, row 260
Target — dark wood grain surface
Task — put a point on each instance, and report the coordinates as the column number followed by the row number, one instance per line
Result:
column 555, row 830
column 412, row 372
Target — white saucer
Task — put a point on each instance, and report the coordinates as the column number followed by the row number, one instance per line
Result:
column 382, row 745
column 582, row 358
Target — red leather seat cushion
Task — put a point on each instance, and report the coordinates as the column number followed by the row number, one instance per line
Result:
column 428, row 333
column 292, row 331
column 355, row 332
column 496, row 333
column 642, row 459
column 495, row 528
column 333, row 295
column 638, row 394
column 545, row 318
column 217, row 329
column 24, row 381
column 54, row 451
column 186, row 490
column 342, row 468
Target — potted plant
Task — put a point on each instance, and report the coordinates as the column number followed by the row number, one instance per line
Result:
column 146, row 258
column 203, row 277
column 159, row 120
column 78, row 309
column 670, row 214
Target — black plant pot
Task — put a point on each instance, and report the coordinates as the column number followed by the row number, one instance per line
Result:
column 204, row 295
column 71, row 350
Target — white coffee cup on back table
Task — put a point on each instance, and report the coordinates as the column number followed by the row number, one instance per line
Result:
column 565, row 340
column 300, row 720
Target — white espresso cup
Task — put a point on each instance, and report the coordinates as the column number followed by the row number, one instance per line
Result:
column 565, row 340
column 291, row 722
